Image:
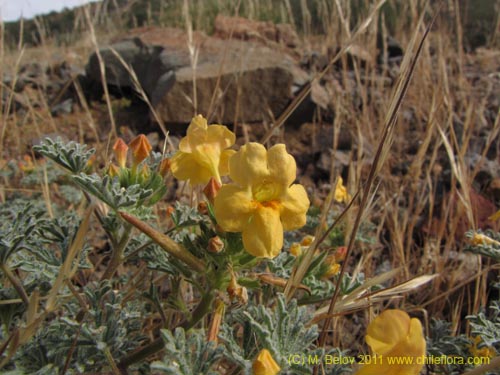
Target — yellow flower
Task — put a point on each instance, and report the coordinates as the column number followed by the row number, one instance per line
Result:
column 495, row 216
column 482, row 239
column 262, row 202
column 394, row 334
column 202, row 152
column 333, row 267
column 264, row 364
column 485, row 351
column 341, row 194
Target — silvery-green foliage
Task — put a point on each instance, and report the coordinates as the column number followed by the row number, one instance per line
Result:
column 441, row 342
column 110, row 191
column 188, row 354
column 72, row 156
column 18, row 228
column 109, row 323
column 284, row 330
column 487, row 325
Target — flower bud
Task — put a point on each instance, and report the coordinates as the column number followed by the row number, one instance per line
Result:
column 340, row 253
column 141, row 148
column 120, row 150
column 212, row 189
column 264, row 364
column 333, row 267
column 113, row 170
column 307, row 240
column 164, row 167
column 296, row 249
column 215, row 245
column 203, row 208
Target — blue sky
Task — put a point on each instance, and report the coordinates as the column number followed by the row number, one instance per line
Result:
column 11, row 10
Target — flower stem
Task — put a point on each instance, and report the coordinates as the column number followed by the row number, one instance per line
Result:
column 155, row 346
column 117, row 255
column 167, row 244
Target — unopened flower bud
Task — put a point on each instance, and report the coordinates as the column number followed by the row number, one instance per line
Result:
column 296, row 249
column 215, row 245
column 141, row 148
column 120, row 150
column 212, row 189
column 482, row 239
column 203, row 208
column 307, row 240
column 333, row 267
column 340, row 253
column 164, row 167
column 113, row 170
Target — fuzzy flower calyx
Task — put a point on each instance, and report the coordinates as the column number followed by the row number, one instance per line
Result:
column 394, row 334
column 203, row 152
column 262, row 202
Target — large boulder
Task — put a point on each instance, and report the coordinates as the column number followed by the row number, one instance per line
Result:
column 229, row 80
column 154, row 74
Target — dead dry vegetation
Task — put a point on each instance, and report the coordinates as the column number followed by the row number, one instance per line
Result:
column 422, row 161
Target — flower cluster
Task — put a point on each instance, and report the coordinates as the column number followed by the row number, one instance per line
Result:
column 261, row 202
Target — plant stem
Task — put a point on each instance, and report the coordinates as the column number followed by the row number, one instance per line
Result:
column 155, row 346
column 117, row 255
column 16, row 283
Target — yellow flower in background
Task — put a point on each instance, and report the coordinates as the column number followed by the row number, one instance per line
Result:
column 262, row 202
column 482, row 239
column 202, row 152
column 394, row 334
column 495, row 216
column 341, row 194
column 485, row 351
column 264, row 364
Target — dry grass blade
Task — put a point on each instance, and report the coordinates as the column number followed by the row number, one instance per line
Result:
column 67, row 268
column 307, row 88
column 407, row 69
column 361, row 297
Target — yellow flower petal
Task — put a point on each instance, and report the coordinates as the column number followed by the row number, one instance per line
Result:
column 233, row 208
column 249, row 165
column 387, row 331
column 264, row 364
column 341, row 194
column 294, row 206
column 221, row 136
column 185, row 167
column 196, row 133
column 282, row 166
column 224, row 161
column 263, row 235
column 393, row 334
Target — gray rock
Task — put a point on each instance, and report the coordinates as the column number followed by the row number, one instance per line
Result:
column 153, row 72
column 234, row 80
